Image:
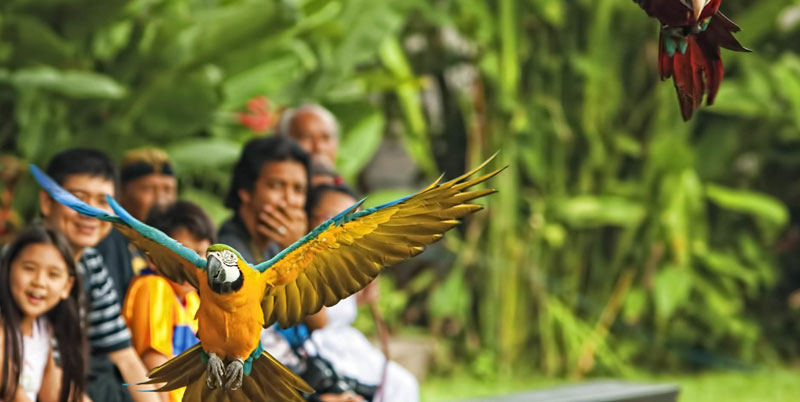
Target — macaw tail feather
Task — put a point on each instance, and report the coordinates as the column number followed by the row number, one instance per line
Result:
column 268, row 381
column 697, row 68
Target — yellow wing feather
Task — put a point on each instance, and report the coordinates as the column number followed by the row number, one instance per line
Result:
column 344, row 258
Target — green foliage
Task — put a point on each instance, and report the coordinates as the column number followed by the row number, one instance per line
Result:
column 174, row 74
column 620, row 235
column 391, row 305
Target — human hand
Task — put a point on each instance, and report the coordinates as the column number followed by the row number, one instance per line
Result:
column 283, row 225
column 317, row 320
column 370, row 293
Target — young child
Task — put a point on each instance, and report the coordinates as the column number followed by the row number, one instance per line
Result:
column 159, row 312
column 39, row 300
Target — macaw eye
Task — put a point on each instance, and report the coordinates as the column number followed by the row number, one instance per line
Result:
column 228, row 258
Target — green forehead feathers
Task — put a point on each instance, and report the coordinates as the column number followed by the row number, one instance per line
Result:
column 221, row 247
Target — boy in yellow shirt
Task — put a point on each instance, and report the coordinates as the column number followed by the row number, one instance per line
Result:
column 161, row 313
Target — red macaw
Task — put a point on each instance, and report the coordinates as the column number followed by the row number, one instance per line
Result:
column 692, row 32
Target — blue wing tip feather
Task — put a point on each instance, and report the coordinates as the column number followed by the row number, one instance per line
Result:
column 40, row 176
column 122, row 216
column 65, row 197
column 121, row 212
column 390, row 203
column 349, row 210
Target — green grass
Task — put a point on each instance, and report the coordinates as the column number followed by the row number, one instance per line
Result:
column 778, row 385
column 463, row 386
column 773, row 385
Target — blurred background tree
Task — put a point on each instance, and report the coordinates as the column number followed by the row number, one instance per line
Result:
column 621, row 237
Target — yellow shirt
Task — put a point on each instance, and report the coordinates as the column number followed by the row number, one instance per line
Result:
column 158, row 320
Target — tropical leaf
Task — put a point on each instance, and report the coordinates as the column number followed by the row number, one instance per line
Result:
column 71, row 83
column 750, row 202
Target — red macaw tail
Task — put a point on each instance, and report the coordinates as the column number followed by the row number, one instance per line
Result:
column 268, row 381
column 698, row 71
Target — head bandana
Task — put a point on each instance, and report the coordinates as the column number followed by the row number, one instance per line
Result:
column 145, row 161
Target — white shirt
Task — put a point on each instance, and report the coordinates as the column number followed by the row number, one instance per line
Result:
column 35, row 354
column 349, row 351
column 352, row 354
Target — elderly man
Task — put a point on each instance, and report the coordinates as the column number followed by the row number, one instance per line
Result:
column 316, row 130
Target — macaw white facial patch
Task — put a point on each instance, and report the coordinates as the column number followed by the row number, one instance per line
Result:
column 228, row 258
column 231, row 273
column 229, row 265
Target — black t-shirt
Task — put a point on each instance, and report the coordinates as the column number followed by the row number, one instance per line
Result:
column 123, row 260
column 234, row 233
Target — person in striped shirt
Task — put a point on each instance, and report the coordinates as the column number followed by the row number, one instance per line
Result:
column 90, row 175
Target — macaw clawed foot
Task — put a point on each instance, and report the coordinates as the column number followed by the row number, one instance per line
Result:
column 215, row 371
column 234, row 374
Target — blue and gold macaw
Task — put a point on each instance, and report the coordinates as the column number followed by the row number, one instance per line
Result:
column 237, row 299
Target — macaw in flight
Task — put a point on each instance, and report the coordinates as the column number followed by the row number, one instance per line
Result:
column 237, row 299
column 692, row 32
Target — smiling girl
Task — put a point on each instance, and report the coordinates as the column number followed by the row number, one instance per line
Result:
column 39, row 301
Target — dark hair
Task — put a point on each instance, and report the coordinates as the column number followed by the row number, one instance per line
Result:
column 65, row 319
column 81, row 161
column 255, row 154
column 316, row 194
column 183, row 214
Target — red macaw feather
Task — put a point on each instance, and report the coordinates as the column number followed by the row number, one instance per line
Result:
column 698, row 71
column 692, row 73
column 720, row 31
column 710, row 9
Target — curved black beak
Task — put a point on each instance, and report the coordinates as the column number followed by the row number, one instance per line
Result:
column 215, row 271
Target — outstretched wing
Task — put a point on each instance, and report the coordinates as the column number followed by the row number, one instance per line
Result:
column 174, row 260
column 344, row 254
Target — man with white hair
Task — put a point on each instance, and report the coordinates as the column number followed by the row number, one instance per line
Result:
column 316, row 130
